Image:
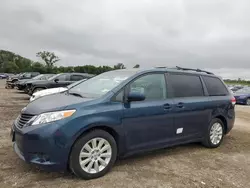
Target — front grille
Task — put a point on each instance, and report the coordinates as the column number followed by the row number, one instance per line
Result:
column 23, row 119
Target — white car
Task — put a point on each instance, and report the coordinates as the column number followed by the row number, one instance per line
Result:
column 51, row 91
column 45, row 92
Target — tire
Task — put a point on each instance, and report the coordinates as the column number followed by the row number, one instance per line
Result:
column 78, row 147
column 37, row 89
column 248, row 102
column 208, row 139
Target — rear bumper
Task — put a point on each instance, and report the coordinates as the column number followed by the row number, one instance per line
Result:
column 230, row 125
column 20, row 87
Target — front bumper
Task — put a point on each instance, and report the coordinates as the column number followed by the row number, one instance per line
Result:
column 30, row 91
column 20, row 86
column 44, row 146
column 9, row 84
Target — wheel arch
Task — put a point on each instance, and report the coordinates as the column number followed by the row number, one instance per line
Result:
column 103, row 127
column 224, row 121
column 43, row 87
column 14, row 80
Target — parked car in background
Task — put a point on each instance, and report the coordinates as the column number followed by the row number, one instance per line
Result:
column 21, row 84
column 242, row 96
column 59, row 80
column 120, row 113
column 10, row 82
column 51, row 91
column 3, row 76
column 236, row 88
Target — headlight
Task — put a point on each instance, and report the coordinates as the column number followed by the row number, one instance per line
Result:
column 52, row 116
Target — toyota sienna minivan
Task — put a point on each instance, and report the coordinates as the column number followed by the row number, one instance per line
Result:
column 120, row 113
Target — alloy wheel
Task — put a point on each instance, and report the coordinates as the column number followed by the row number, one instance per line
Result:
column 216, row 133
column 95, row 155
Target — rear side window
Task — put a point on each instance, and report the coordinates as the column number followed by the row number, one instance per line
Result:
column 185, row 85
column 215, row 87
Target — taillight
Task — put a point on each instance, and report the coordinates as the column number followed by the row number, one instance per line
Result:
column 233, row 100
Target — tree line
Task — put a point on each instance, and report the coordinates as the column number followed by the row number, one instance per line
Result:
column 14, row 63
column 237, row 82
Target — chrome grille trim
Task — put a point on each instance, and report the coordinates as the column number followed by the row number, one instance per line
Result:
column 23, row 119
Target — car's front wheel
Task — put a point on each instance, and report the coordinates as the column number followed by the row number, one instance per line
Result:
column 248, row 102
column 93, row 155
column 214, row 134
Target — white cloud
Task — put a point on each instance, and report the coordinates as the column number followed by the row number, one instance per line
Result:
column 213, row 34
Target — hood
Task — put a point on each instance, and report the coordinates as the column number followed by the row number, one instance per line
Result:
column 24, row 81
column 240, row 94
column 53, row 103
column 13, row 77
column 51, row 91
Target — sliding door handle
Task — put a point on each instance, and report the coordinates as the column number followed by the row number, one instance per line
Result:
column 180, row 105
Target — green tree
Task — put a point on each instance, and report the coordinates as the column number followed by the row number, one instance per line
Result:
column 49, row 58
column 38, row 67
column 137, row 66
column 119, row 66
column 14, row 63
column 11, row 67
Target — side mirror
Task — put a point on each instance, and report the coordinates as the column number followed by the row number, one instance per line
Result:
column 135, row 96
column 56, row 80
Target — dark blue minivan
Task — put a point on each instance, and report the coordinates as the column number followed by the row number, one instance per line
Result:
column 120, row 113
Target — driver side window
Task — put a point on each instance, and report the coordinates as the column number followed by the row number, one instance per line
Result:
column 27, row 75
column 153, row 86
column 62, row 77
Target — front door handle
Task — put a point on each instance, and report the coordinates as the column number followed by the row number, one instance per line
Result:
column 167, row 106
column 180, row 105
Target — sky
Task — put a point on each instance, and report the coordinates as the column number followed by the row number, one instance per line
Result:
column 207, row 34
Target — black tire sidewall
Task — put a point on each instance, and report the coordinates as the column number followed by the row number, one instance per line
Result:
column 247, row 101
column 207, row 142
column 74, row 156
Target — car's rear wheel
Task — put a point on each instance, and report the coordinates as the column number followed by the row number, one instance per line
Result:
column 93, row 155
column 215, row 134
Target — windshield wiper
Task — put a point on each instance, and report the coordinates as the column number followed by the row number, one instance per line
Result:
column 76, row 94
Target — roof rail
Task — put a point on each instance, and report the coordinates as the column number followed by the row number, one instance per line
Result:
column 161, row 67
column 197, row 70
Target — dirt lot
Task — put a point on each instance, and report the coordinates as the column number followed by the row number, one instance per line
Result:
column 184, row 166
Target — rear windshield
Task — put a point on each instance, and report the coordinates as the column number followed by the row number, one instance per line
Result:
column 215, row 86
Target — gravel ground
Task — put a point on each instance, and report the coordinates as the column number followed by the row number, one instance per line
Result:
column 184, row 166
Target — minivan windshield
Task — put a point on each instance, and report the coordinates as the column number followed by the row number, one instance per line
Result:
column 101, row 84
